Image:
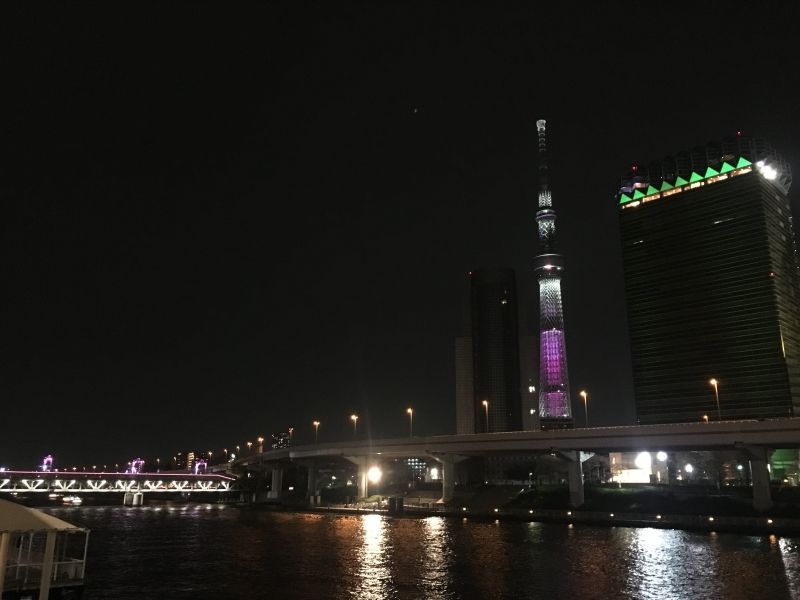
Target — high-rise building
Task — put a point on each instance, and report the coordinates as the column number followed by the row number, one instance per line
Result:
column 712, row 284
column 555, row 409
column 487, row 361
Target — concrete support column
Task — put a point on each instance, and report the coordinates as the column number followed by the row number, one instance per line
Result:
column 574, row 460
column 277, row 483
column 311, row 488
column 762, row 498
column 362, row 482
column 448, row 463
column 448, row 478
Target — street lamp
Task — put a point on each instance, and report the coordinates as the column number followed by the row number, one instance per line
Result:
column 410, row 412
column 486, row 411
column 260, row 444
column 316, row 431
column 354, row 419
column 715, row 383
column 585, row 395
column 705, row 418
column 249, row 446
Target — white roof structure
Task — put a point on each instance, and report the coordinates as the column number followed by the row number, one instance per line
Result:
column 15, row 517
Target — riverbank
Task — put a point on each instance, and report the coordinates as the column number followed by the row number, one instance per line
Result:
column 746, row 525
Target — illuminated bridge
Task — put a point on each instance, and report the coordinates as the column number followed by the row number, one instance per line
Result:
column 78, row 482
column 752, row 439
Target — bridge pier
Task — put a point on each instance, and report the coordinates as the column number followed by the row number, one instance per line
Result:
column 759, row 474
column 574, row 460
column 311, row 487
column 448, row 462
column 361, row 463
column 276, row 485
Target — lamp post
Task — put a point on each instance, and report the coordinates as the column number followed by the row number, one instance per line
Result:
column 486, row 412
column 585, row 395
column 705, row 418
column 260, row 444
column 354, row 419
column 715, row 383
column 410, row 412
column 316, row 431
column 249, row 447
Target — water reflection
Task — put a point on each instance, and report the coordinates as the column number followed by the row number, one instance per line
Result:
column 790, row 556
column 435, row 572
column 373, row 574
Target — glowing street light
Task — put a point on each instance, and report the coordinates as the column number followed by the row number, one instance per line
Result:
column 249, row 446
column 316, row 431
column 705, row 418
column 374, row 474
column 486, row 411
column 260, row 444
column 585, row 395
column 715, row 383
column 354, row 419
column 410, row 412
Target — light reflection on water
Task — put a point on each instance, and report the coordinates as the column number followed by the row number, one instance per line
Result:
column 374, row 580
column 206, row 551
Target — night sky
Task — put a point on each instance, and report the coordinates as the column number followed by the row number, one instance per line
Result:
column 223, row 220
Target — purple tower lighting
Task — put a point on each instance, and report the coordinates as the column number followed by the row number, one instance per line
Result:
column 47, row 463
column 555, row 409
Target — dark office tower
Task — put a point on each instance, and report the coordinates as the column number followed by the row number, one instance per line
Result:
column 555, row 409
column 712, row 284
column 495, row 351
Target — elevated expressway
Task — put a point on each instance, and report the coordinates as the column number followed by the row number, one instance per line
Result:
column 752, row 438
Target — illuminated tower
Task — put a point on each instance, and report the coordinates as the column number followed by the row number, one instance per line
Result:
column 554, row 404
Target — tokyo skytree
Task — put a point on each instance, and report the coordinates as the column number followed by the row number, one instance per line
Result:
column 555, row 409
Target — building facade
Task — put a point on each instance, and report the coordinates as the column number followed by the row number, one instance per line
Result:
column 712, row 284
column 487, row 361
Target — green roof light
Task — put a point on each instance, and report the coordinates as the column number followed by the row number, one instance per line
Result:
column 665, row 186
column 623, row 198
column 710, row 173
column 695, row 177
column 680, row 181
column 637, row 194
column 726, row 168
column 743, row 162
column 651, row 190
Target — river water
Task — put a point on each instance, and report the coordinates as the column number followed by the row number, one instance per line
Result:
column 210, row 551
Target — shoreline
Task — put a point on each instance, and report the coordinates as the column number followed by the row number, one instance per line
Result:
column 710, row 523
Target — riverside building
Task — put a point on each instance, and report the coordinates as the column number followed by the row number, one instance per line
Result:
column 712, row 287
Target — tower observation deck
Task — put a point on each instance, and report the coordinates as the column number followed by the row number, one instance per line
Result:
column 555, row 409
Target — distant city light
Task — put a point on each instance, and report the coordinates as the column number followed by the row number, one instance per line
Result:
column 434, row 473
column 688, row 468
column 661, row 456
